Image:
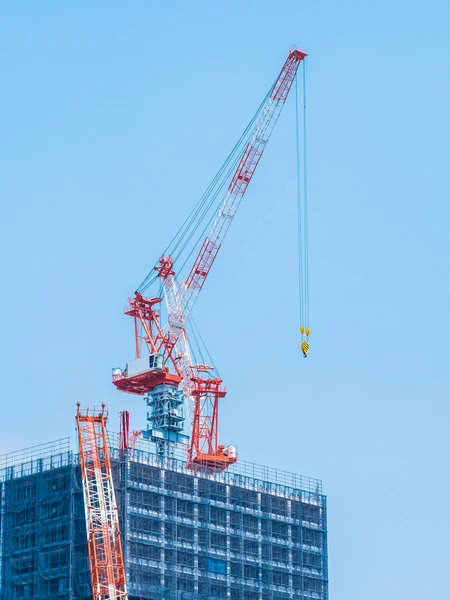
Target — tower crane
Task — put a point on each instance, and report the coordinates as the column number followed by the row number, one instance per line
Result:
column 167, row 371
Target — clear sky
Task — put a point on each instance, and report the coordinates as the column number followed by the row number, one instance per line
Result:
column 115, row 116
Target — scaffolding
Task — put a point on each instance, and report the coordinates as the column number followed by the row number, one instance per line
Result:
column 249, row 533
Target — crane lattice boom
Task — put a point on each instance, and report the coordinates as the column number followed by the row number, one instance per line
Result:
column 102, row 523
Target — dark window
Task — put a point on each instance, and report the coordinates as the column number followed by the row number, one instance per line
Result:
column 185, row 559
column 311, row 514
column 218, row 541
column 250, row 524
column 185, row 534
column 280, row 553
column 280, row 578
column 145, row 500
column 177, row 482
column 185, row 509
column 251, row 547
column 280, row 506
column 250, row 571
column 219, row 516
column 235, row 543
column 280, row 530
column 312, row 585
column 236, row 520
column 312, row 561
column 312, row 537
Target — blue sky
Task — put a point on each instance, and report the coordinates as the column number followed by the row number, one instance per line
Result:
column 115, row 116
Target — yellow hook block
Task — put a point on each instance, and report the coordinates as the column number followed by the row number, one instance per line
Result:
column 304, row 347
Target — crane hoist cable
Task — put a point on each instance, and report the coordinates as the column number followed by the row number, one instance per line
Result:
column 302, row 216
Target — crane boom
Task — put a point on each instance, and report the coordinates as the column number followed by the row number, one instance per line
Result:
column 240, row 181
column 180, row 297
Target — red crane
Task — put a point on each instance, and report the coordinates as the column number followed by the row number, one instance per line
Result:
column 106, row 559
column 170, row 363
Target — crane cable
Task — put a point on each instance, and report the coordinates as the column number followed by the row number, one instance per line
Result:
column 302, row 219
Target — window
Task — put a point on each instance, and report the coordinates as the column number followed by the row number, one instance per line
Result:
column 185, row 509
column 57, row 484
column 24, row 517
column 235, row 543
column 23, row 565
column 312, row 561
column 218, row 491
column 312, row 585
column 280, row 578
column 23, row 541
column 236, row 520
column 146, row 551
column 23, row 490
column 250, row 571
column 251, row 547
column 219, row 516
column 217, row 566
column 280, row 530
column 145, row 500
column 250, row 524
column 203, row 538
column 57, row 534
column 311, row 514
column 179, row 482
column 203, row 512
column 218, row 589
column 54, row 559
column 185, row 559
column 280, row 553
column 54, row 510
column 145, row 474
column 185, row 534
column 144, row 525
column 218, row 541
column 280, row 506
column 250, row 499
column 185, row 584
column 312, row 537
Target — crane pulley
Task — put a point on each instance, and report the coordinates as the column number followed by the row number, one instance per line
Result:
column 170, row 362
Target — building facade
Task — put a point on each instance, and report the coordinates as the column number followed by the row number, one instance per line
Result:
column 250, row 533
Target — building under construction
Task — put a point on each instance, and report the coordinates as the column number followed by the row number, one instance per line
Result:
column 168, row 512
column 247, row 533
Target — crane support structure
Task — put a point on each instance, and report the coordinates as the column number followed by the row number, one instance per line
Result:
column 106, row 560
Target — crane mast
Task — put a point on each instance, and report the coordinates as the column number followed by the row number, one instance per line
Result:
column 170, row 341
column 106, row 560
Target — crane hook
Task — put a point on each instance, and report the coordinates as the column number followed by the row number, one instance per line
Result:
column 304, row 346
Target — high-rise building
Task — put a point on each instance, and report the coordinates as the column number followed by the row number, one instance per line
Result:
column 248, row 533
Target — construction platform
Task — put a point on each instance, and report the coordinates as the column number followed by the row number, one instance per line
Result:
column 248, row 533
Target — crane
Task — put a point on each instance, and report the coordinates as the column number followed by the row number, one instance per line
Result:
column 169, row 367
column 106, row 559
